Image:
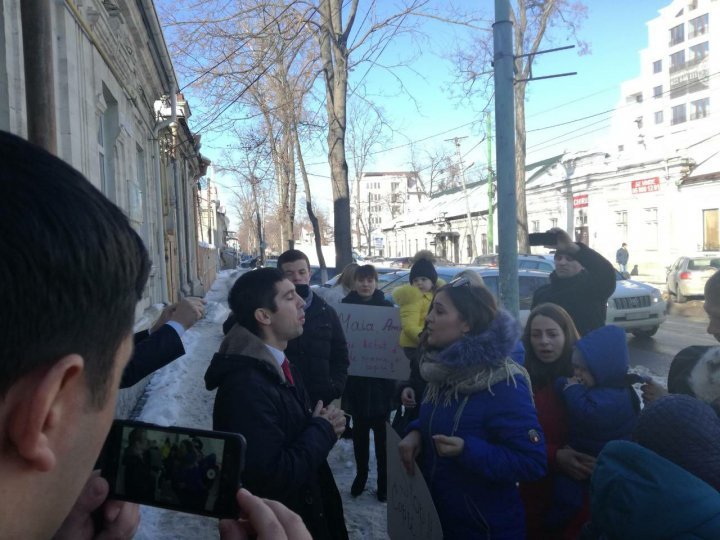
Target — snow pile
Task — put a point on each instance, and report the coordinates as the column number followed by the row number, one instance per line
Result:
column 176, row 395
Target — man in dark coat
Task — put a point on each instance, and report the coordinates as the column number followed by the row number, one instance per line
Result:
column 157, row 347
column 621, row 257
column 262, row 397
column 320, row 353
column 582, row 282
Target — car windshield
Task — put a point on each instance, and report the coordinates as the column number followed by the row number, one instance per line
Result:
column 707, row 263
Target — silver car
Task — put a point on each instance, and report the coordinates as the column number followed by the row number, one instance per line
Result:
column 687, row 276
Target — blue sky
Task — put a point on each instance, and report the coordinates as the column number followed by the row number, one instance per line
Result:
column 616, row 31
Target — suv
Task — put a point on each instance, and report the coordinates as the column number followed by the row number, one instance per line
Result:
column 687, row 276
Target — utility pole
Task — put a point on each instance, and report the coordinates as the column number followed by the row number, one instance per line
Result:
column 38, row 64
column 490, row 190
column 469, row 226
column 504, row 76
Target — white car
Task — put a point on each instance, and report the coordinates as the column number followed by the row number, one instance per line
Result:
column 636, row 307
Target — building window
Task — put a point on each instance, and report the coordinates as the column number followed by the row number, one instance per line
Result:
column 699, row 108
column 536, row 226
column 678, row 115
column 553, row 222
column 677, row 61
column 658, row 117
column 657, row 66
column 621, row 224
column 711, row 230
column 677, row 34
column 698, row 52
column 698, row 26
column 650, row 238
column 657, row 91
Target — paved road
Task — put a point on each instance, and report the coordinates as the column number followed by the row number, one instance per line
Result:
column 685, row 326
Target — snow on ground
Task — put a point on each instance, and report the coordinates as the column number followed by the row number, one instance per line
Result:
column 177, row 396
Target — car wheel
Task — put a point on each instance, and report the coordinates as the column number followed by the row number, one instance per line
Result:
column 680, row 298
column 645, row 333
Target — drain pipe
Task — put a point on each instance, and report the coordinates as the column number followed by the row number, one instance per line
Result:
column 171, row 123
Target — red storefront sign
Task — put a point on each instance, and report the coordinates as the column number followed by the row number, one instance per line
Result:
column 646, row 185
column 580, row 201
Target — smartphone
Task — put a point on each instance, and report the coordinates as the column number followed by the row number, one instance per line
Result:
column 542, row 239
column 183, row 469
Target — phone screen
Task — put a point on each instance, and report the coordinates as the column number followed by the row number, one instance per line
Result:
column 542, row 239
column 182, row 469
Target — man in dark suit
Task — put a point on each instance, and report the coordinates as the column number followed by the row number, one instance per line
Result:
column 157, row 347
column 260, row 395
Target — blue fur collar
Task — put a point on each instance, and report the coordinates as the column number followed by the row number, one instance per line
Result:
column 488, row 349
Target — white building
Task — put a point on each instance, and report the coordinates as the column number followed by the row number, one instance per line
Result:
column 380, row 198
column 121, row 122
column 669, row 106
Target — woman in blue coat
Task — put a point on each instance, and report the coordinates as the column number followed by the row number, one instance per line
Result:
column 477, row 435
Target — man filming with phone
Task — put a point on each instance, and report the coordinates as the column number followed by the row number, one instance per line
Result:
column 581, row 283
column 71, row 272
column 261, row 396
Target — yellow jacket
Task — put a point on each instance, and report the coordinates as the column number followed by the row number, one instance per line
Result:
column 414, row 307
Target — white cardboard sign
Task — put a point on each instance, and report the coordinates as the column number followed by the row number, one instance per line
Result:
column 411, row 514
column 373, row 334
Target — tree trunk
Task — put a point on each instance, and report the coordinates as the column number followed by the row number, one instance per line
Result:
column 309, row 208
column 334, row 56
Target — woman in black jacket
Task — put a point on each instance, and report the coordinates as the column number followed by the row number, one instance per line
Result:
column 368, row 399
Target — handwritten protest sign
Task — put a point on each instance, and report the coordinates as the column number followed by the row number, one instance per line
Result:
column 411, row 514
column 372, row 334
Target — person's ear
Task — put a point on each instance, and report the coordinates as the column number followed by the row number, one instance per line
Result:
column 262, row 316
column 50, row 404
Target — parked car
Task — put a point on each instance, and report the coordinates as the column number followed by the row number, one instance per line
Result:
column 381, row 270
column 544, row 263
column 529, row 280
column 315, row 275
column 687, row 276
column 406, row 262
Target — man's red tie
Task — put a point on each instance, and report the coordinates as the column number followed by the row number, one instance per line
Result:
column 286, row 370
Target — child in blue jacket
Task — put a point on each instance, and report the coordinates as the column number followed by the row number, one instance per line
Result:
column 602, row 406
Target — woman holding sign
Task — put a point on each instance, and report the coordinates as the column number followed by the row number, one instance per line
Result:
column 368, row 399
column 477, row 435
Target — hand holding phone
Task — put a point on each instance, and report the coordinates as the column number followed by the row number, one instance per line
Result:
column 265, row 519
column 183, row 469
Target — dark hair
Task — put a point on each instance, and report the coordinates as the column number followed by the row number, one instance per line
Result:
column 366, row 271
column 541, row 373
column 251, row 291
column 712, row 287
column 475, row 304
column 71, row 269
column 136, row 435
column 292, row 255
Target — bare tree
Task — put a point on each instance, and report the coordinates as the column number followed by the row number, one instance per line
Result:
column 336, row 50
column 534, row 22
column 366, row 132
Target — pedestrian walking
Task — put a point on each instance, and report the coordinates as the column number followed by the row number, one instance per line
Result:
column 621, row 258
